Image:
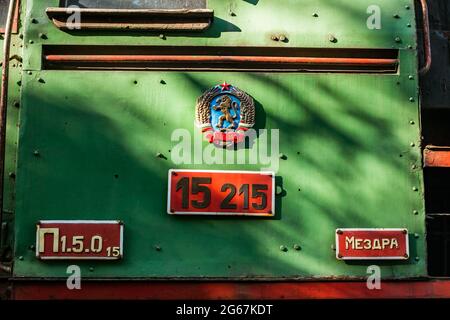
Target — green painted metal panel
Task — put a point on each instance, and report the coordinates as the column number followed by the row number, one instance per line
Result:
column 253, row 24
column 350, row 140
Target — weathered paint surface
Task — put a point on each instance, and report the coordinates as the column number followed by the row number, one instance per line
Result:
column 439, row 289
column 349, row 140
column 437, row 157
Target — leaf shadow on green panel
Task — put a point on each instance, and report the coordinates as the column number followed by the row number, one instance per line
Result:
column 89, row 146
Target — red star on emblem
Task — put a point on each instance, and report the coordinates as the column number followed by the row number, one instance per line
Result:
column 225, row 86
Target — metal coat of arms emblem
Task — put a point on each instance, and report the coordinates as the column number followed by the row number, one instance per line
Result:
column 225, row 113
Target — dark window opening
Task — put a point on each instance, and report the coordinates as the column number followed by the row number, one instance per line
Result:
column 4, row 6
column 437, row 194
column 3, row 13
column 136, row 4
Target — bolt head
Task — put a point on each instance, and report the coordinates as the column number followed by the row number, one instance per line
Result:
column 332, row 38
column 283, row 248
column 297, row 247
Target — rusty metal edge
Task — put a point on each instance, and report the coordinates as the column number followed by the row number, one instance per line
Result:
column 230, row 290
column 4, row 99
column 426, row 36
column 436, row 156
column 185, row 19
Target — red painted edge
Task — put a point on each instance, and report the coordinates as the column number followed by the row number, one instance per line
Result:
column 220, row 59
column 437, row 157
column 145, row 290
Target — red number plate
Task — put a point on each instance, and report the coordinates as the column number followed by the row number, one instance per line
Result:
column 372, row 244
column 95, row 240
column 221, row 192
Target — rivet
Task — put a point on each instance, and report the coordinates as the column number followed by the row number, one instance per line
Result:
column 410, row 46
column 21, row 36
column 340, row 255
column 333, row 247
column 406, row 255
column 283, row 248
column 396, row 16
column 12, row 175
column 34, row 20
column 42, row 36
column 405, row 231
column 411, row 99
column 41, row 80
column 398, row 39
column 282, row 156
column 232, row 13
column 36, row 153
column 315, row 15
column 135, row 82
column 21, row 258
column 413, row 167
column 30, row 73
column 412, row 122
column 415, row 212
column 32, row 247
column 161, row 36
column 407, row 7
column 282, row 37
column 297, row 247
column 158, row 248
column 411, row 77
column 417, row 258
column 162, row 82
column 339, row 231
column 31, row 42
column 416, row 235
column 332, row 38
column 409, row 25
column 91, row 269
column 274, row 38
column 16, row 104
column 415, row 189
column 412, row 144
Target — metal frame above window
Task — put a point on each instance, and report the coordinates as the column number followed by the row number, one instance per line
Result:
column 139, row 4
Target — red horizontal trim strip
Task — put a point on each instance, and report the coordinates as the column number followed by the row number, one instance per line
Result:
column 437, row 157
column 221, row 59
column 144, row 290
